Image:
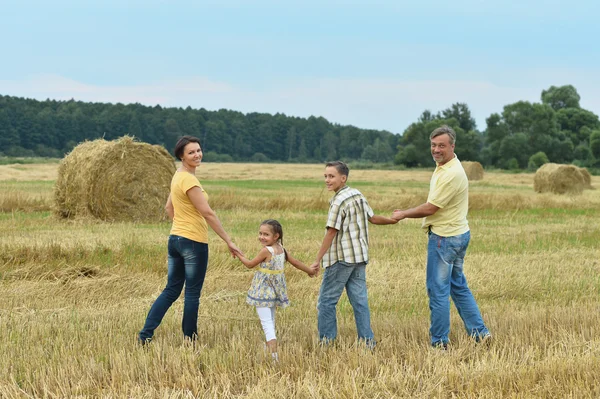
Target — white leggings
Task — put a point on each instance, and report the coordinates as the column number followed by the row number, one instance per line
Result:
column 267, row 319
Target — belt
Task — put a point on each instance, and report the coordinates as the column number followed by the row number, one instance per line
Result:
column 269, row 271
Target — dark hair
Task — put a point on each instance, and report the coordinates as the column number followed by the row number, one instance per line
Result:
column 181, row 143
column 444, row 129
column 341, row 167
column 277, row 229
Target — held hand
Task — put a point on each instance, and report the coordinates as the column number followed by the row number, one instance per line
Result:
column 315, row 268
column 398, row 215
column 234, row 250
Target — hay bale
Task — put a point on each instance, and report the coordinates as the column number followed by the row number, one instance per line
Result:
column 120, row 180
column 558, row 179
column 587, row 179
column 474, row 170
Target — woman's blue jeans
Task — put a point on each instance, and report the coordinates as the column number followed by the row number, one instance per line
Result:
column 338, row 276
column 445, row 279
column 187, row 264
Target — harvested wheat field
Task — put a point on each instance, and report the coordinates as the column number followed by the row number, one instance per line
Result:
column 74, row 293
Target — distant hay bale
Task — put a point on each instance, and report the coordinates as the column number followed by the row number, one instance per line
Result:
column 558, row 179
column 474, row 170
column 587, row 179
column 120, row 180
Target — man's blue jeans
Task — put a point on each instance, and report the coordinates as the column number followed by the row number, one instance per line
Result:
column 187, row 264
column 445, row 278
column 338, row 276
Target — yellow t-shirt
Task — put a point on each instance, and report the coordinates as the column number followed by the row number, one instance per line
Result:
column 188, row 222
column 449, row 191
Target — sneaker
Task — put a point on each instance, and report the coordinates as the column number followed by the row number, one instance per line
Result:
column 326, row 342
column 441, row 345
column 370, row 343
column 483, row 339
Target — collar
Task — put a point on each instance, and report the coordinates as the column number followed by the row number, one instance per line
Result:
column 340, row 190
column 448, row 164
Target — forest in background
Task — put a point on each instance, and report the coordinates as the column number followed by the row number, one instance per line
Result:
column 523, row 135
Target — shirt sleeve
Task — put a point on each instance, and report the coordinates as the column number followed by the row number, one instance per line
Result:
column 368, row 209
column 444, row 190
column 335, row 217
column 189, row 182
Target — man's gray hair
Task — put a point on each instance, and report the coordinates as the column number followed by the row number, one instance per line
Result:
column 444, row 129
column 341, row 167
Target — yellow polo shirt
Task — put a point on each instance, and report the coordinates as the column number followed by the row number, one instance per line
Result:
column 449, row 191
column 188, row 222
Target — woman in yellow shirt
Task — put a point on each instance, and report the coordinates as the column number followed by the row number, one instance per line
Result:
column 188, row 207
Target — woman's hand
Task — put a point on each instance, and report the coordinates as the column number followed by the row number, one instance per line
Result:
column 234, row 250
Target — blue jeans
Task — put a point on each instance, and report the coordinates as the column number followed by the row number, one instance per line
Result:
column 353, row 278
column 445, row 278
column 187, row 264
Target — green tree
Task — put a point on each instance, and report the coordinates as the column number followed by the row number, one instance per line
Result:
column 512, row 164
column 514, row 147
column 379, row 151
column 561, row 97
column 329, row 146
column 595, row 143
column 537, row 160
column 583, row 155
column 302, row 151
column 291, row 142
column 8, row 135
column 468, row 145
column 408, row 155
column 577, row 123
column 259, row 157
column 462, row 114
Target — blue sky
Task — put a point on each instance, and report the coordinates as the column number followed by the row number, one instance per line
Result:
column 374, row 64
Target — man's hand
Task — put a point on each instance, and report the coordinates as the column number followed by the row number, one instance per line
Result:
column 398, row 215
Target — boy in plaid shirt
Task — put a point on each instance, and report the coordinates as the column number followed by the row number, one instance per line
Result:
column 345, row 254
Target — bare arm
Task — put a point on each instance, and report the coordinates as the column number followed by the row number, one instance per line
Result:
column 169, row 208
column 262, row 255
column 327, row 240
column 377, row 219
column 201, row 204
column 420, row 211
column 299, row 265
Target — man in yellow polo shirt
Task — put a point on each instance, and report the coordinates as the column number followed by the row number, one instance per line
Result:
column 445, row 220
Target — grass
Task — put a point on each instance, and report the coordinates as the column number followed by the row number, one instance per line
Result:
column 73, row 295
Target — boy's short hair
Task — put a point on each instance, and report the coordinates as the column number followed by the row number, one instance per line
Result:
column 340, row 166
column 444, row 129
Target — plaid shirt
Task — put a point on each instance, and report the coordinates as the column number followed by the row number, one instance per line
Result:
column 349, row 214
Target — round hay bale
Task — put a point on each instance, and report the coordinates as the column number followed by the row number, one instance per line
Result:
column 587, row 179
column 120, row 180
column 474, row 170
column 558, row 179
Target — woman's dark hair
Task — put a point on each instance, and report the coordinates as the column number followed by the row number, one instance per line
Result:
column 277, row 229
column 181, row 143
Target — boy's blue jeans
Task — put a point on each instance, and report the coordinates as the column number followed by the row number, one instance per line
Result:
column 336, row 277
column 445, row 278
column 187, row 264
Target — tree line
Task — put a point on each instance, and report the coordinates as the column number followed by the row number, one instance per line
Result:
column 52, row 128
column 523, row 135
